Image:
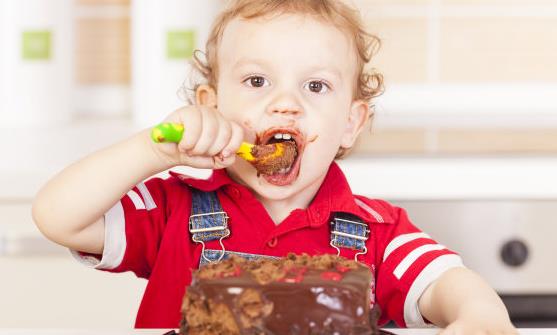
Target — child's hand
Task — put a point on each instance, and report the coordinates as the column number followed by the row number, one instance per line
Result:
column 473, row 327
column 210, row 141
column 465, row 304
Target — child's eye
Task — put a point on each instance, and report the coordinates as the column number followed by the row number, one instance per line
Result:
column 317, row 86
column 256, row 81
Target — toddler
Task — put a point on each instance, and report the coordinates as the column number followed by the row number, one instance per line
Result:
column 275, row 70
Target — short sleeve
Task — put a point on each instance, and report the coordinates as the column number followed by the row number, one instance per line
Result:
column 134, row 227
column 411, row 261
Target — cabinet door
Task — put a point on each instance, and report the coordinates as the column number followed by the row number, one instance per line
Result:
column 57, row 292
column 42, row 286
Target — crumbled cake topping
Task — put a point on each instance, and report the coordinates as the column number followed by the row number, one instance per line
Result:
column 289, row 270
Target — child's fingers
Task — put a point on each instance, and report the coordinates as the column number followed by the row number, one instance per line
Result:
column 193, row 124
column 221, row 162
column 209, row 129
column 235, row 140
column 223, row 137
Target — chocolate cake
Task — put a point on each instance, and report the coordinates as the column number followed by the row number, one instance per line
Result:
column 295, row 295
column 272, row 158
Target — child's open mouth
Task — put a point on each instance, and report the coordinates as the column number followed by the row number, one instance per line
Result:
column 274, row 135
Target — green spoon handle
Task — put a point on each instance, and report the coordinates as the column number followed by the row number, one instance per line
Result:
column 167, row 132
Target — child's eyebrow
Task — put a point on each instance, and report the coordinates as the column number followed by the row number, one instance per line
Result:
column 248, row 61
column 316, row 68
column 329, row 69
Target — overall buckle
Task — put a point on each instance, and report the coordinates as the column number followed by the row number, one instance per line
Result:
column 349, row 234
column 201, row 234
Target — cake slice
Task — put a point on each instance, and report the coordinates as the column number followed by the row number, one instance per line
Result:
column 295, row 295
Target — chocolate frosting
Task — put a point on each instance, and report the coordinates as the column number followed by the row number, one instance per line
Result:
column 297, row 295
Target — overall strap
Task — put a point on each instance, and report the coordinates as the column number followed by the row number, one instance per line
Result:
column 208, row 221
column 349, row 231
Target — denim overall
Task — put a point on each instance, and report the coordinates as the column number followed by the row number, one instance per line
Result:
column 208, row 222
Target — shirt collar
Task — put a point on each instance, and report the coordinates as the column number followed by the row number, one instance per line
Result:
column 334, row 195
column 216, row 180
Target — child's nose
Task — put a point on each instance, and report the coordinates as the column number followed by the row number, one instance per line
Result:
column 287, row 111
column 286, row 105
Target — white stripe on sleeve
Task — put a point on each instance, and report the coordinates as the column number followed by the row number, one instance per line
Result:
column 136, row 199
column 412, row 316
column 114, row 241
column 412, row 256
column 400, row 240
column 149, row 202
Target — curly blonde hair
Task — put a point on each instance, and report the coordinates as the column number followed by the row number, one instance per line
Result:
column 369, row 84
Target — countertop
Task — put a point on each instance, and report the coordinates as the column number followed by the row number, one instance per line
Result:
column 537, row 331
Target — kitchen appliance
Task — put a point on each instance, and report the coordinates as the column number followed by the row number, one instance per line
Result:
column 510, row 243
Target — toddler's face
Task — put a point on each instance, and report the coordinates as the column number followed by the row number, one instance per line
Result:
column 290, row 75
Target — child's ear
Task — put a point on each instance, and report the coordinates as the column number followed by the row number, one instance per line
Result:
column 205, row 95
column 359, row 113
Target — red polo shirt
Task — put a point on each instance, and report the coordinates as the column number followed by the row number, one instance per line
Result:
column 147, row 233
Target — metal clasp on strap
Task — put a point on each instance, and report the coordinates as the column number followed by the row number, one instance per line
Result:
column 349, row 233
column 202, row 229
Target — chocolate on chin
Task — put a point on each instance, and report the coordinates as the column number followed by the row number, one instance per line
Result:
column 272, row 158
column 299, row 295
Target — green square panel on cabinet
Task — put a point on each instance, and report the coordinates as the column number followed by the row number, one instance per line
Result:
column 36, row 45
column 180, row 44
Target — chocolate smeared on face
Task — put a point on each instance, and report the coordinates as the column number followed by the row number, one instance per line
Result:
column 312, row 139
column 272, row 158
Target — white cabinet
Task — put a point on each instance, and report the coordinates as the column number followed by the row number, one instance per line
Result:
column 35, row 62
column 42, row 286
column 164, row 36
column 57, row 292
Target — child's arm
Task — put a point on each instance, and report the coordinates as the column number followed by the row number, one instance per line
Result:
column 70, row 208
column 464, row 303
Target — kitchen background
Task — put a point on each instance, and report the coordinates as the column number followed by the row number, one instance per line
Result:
column 465, row 136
